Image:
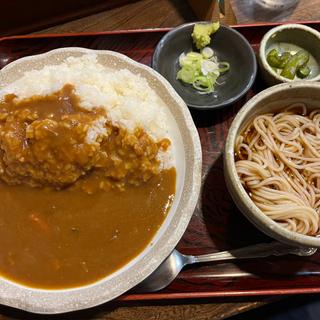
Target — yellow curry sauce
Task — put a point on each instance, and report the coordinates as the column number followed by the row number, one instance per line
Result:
column 72, row 210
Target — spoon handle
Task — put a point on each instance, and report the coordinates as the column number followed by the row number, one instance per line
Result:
column 255, row 251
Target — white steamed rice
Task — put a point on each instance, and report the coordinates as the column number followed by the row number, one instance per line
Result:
column 127, row 98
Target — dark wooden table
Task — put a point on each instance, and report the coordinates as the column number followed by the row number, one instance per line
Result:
column 153, row 14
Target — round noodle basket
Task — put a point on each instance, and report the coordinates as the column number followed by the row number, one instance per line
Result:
column 188, row 166
column 270, row 100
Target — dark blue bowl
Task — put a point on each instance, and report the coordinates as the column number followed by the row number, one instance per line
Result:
column 229, row 45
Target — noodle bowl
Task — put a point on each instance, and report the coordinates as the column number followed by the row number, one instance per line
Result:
column 278, row 162
column 284, row 208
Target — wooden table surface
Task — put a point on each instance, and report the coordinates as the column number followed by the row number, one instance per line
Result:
column 166, row 13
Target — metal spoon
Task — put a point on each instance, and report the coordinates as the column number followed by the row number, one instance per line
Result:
column 172, row 265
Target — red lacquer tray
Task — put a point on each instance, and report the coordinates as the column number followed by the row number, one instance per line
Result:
column 216, row 224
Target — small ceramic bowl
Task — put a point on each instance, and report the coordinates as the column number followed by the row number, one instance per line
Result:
column 229, row 45
column 269, row 100
column 294, row 34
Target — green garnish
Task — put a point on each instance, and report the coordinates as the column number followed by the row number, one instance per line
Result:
column 303, row 72
column 284, row 59
column 289, row 64
column 274, row 59
column 202, row 32
column 296, row 61
column 201, row 69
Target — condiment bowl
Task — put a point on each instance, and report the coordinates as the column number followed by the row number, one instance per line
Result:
column 295, row 34
column 229, row 45
column 270, row 100
column 187, row 150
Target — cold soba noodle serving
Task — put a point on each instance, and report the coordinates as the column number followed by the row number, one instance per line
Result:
column 87, row 172
column 278, row 162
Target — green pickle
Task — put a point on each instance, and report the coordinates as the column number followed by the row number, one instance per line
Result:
column 274, row 58
column 303, row 72
column 284, row 59
column 296, row 61
column 289, row 64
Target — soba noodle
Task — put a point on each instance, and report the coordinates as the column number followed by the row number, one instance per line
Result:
column 278, row 162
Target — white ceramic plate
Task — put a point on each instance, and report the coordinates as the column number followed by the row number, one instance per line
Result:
column 188, row 165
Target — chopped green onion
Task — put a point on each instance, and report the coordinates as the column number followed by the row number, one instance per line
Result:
column 208, row 66
column 203, row 83
column 194, row 55
column 186, row 74
column 224, row 66
column 207, row 52
column 201, row 70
